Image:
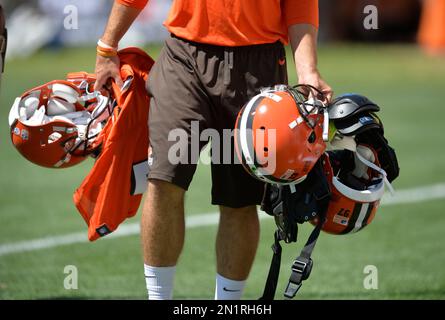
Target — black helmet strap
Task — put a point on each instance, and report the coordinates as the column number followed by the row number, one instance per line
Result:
column 293, row 205
column 301, row 267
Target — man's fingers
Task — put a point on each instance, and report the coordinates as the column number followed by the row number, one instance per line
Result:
column 329, row 96
column 317, row 95
column 308, row 92
column 118, row 81
column 98, row 85
column 107, row 70
column 320, row 89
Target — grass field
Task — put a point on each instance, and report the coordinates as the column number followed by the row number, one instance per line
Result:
column 406, row 241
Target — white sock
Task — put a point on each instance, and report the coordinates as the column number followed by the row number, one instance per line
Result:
column 227, row 289
column 159, row 281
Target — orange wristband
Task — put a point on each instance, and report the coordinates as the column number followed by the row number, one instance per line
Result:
column 106, row 52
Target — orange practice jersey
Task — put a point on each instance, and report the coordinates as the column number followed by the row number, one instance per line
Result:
column 108, row 195
column 235, row 22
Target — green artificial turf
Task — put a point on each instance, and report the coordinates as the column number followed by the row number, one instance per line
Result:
column 405, row 242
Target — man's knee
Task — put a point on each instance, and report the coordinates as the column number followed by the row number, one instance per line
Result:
column 159, row 189
column 238, row 213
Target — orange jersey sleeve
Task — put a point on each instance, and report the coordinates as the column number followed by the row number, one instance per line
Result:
column 137, row 4
column 301, row 11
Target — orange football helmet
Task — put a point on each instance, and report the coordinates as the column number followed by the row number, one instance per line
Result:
column 279, row 136
column 357, row 185
column 55, row 125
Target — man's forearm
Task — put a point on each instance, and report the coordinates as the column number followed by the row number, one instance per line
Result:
column 121, row 18
column 303, row 39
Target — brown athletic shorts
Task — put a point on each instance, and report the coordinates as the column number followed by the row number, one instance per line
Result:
column 196, row 87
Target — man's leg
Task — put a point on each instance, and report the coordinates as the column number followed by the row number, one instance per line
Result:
column 236, row 245
column 162, row 233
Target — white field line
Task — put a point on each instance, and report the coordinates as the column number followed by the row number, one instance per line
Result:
column 414, row 195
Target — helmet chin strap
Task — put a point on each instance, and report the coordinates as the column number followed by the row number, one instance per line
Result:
column 284, row 206
column 348, row 143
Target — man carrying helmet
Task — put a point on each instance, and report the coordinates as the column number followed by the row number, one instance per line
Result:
column 219, row 55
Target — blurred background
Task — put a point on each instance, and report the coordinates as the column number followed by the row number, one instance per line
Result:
column 400, row 65
column 39, row 24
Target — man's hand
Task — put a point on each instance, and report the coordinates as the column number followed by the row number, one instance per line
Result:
column 303, row 39
column 121, row 18
column 314, row 79
column 107, row 68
